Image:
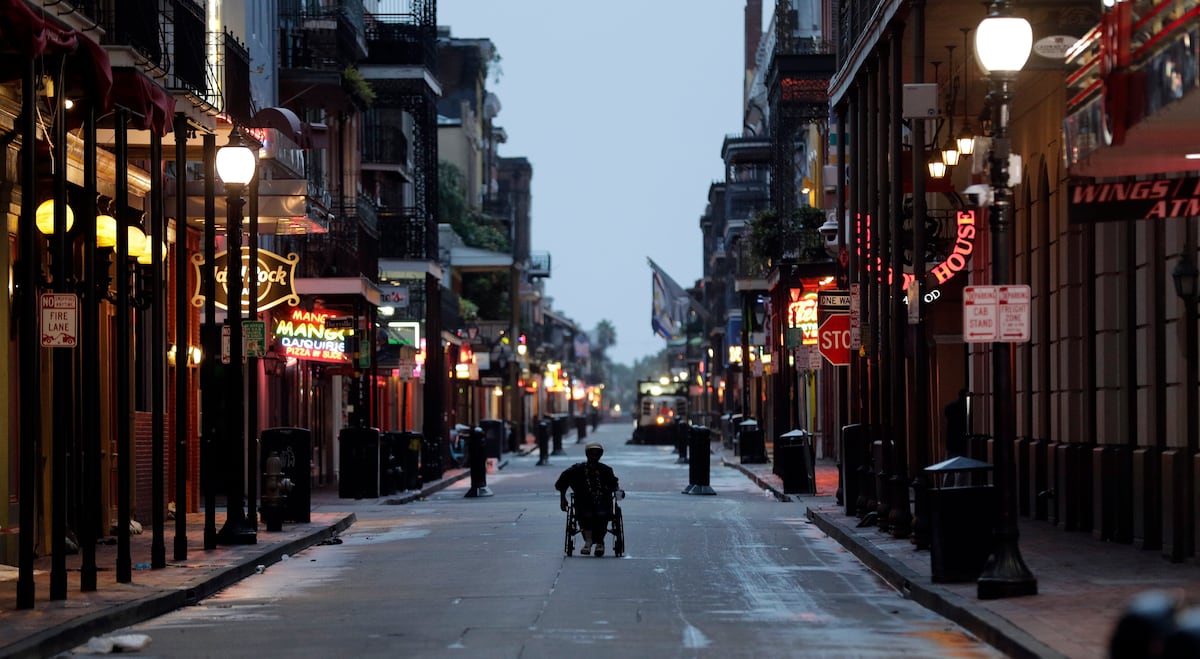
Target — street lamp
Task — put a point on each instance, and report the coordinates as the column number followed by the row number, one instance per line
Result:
column 1002, row 45
column 235, row 165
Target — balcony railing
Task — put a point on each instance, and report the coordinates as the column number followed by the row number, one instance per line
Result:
column 403, row 234
column 321, row 35
column 385, row 145
column 403, row 32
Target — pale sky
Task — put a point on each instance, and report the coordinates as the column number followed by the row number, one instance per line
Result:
column 621, row 107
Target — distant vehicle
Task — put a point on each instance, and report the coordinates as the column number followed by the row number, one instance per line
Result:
column 658, row 407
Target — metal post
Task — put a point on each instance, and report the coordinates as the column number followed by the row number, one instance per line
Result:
column 158, row 357
column 28, row 343
column 921, row 388
column 237, row 529
column 1005, row 574
column 63, row 402
column 89, row 352
column 252, row 461
column 183, row 353
column 210, row 340
column 901, row 520
column 124, row 360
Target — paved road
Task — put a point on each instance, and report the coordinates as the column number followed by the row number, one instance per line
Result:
column 738, row 574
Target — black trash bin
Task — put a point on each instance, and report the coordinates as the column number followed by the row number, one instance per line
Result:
column 406, row 448
column 751, row 446
column 794, row 462
column 294, row 447
column 493, row 437
column 962, row 519
column 856, row 454
column 358, row 474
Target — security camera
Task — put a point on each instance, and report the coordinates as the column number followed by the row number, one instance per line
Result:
column 978, row 194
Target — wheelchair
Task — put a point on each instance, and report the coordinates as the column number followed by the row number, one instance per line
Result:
column 616, row 526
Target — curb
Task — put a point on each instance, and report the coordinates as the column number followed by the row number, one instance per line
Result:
column 759, row 480
column 992, row 629
column 989, row 627
column 67, row 636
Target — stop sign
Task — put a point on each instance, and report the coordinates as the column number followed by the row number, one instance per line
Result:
column 833, row 339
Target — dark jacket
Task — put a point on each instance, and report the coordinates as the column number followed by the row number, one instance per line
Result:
column 593, row 484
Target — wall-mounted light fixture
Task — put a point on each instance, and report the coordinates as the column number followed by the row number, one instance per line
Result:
column 44, row 219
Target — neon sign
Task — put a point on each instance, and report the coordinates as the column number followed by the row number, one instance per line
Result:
column 303, row 335
column 956, row 262
column 802, row 315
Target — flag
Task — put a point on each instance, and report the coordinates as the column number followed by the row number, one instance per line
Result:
column 670, row 304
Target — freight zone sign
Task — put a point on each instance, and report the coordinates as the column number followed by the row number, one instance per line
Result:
column 996, row 314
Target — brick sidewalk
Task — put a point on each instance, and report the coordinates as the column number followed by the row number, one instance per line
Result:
column 1083, row 584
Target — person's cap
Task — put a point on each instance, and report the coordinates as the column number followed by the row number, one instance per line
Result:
column 594, row 446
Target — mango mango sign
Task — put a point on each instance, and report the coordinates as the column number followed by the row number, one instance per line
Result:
column 276, row 277
column 304, row 335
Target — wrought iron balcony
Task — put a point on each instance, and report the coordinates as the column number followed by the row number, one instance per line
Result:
column 403, row 234
column 403, row 32
column 316, row 36
column 168, row 37
column 350, row 248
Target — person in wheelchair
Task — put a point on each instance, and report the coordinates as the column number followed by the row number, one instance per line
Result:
column 594, row 485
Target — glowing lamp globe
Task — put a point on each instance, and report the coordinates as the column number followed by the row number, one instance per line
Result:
column 44, row 218
column 1003, row 43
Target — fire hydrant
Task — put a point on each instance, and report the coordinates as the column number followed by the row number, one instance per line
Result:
column 276, row 487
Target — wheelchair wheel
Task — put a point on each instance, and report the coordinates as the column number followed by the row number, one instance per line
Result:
column 572, row 529
column 618, row 531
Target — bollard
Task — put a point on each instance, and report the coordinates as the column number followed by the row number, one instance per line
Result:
column 698, row 483
column 558, row 427
column 477, row 458
column 542, row 434
column 682, row 438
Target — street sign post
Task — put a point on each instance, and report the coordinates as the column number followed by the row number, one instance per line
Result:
column 833, row 339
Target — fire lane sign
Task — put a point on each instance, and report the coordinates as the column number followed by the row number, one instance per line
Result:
column 996, row 314
column 59, row 320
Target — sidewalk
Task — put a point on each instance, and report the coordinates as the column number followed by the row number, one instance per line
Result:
column 1083, row 584
column 53, row 627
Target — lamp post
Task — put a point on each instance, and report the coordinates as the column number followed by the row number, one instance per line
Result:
column 1002, row 45
column 235, row 165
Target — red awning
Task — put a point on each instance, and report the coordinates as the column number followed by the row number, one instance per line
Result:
column 154, row 106
column 27, row 33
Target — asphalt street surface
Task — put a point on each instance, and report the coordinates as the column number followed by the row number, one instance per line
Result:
column 738, row 574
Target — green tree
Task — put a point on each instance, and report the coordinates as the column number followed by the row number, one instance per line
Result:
column 487, row 292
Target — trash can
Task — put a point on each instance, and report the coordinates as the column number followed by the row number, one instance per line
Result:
column 493, row 437
column 751, row 446
column 358, row 475
column 855, row 455
column 794, row 462
column 962, row 519
column 406, row 449
column 700, row 439
column 294, row 447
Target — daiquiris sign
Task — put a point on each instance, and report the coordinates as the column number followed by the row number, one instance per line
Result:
column 276, row 279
